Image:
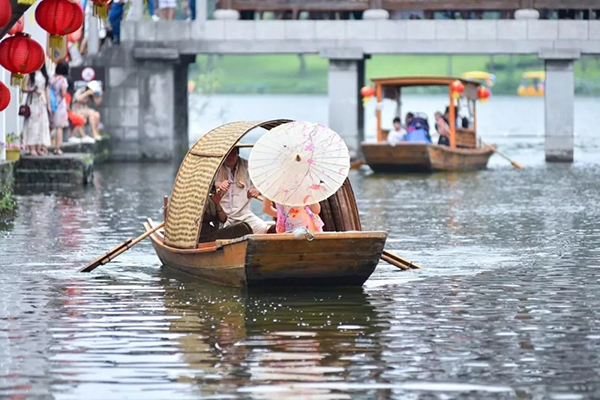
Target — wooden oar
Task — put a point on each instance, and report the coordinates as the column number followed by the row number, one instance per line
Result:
column 513, row 163
column 357, row 164
column 120, row 248
column 398, row 261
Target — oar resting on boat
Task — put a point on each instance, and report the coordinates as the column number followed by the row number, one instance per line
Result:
column 398, row 261
column 117, row 250
column 513, row 163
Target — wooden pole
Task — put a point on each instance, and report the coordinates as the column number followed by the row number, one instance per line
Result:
column 393, row 262
column 513, row 163
column 452, row 118
column 378, row 113
column 400, row 260
column 117, row 250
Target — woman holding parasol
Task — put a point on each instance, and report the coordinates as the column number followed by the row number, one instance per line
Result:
column 297, row 165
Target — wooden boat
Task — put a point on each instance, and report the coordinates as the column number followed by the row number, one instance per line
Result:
column 343, row 255
column 464, row 152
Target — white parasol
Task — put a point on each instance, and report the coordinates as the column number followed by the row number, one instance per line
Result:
column 299, row 163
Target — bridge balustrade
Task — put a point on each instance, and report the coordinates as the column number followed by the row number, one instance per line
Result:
column 331, row 9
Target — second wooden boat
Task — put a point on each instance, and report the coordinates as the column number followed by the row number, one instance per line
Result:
column 464, row 152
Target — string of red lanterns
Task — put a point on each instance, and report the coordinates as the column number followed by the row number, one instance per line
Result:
column 21, row 55
column 58, row 18
column 483, row 93
column 457, row 88
column 5, row 12
column 4, row 96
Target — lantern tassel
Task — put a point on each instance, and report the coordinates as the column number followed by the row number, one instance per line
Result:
column 16, row 79
column 56, row 42
column 365, row 101
column 100, row 10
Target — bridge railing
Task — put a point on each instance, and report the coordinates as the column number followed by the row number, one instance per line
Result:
column 326, row 9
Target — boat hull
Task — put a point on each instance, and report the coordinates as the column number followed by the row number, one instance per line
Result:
column 420, row 157
column 330, row 258
column 444, row 158
column 408, row 157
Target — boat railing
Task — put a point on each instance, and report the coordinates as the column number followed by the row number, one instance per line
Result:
column 466, row 138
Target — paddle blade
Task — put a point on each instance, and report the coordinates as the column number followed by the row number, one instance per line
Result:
column 100, row 260
column 516, row 165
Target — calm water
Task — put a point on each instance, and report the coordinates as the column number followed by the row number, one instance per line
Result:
column 507, row 306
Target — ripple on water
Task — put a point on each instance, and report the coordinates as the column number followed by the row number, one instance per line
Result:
column 506, row 307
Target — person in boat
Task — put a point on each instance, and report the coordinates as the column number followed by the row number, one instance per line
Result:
column 460, row 122
column 214, row 216
column 292, row 218
column 407, row 119
column 397, row 133
column 233, row 179
column 443, row 129
column 418, row 130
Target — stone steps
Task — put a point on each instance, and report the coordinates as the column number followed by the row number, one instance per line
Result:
column 68, row 169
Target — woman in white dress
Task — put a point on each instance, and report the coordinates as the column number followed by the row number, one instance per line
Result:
column 36, row 130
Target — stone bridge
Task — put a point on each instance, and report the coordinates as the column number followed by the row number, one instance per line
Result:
column 147, row 74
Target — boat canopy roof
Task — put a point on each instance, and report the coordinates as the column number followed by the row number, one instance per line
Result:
column 421, row 81
column 471, row 87
column 195, row 177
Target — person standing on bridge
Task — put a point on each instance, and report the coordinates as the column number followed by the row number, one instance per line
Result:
column 167, row 9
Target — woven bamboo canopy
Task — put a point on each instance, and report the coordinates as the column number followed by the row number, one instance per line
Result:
column 195, row 176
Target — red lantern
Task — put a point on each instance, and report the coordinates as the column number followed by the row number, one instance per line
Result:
column 367, row 91
column 483, row 93
column 58, row 18
column 17, row 27
column 5, row 12
column 457, row 88
column 100, row 8
column 21, row 55
column 4, row 97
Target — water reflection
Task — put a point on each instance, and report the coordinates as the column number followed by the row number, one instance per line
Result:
column 275, row 339
column 506, row 308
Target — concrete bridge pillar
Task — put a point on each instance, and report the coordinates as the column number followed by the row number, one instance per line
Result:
column 559, row 104
column 345, row 78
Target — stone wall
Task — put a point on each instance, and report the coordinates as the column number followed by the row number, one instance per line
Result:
column 145, row 105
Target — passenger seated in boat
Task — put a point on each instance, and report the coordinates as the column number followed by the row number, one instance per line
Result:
column 291, row 218
column 409, row 116
column 418, row 130
column 233, row 178
column 214, row 215
column 396, row 135
column 443, row 129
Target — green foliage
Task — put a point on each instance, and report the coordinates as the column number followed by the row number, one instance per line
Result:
column 308, row 74
column 7, row 200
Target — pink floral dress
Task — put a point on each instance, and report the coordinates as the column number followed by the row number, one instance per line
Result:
column 290, row 218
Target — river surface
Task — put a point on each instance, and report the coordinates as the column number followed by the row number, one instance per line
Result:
column 507, row 306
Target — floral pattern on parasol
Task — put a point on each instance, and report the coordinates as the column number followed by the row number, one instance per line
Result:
column 299, row 163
